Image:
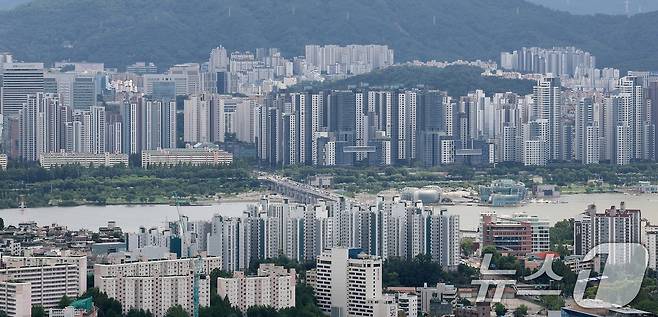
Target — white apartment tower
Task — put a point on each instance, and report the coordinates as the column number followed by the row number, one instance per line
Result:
column 547, row 105
column 50, row 278
column 156, row 285
column 273, row 286
column 349, row 283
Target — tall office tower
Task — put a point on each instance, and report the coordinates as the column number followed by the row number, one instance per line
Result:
column 62, row 85
column 612, row 226
column 197, row 116
column 159, row 126
column 165, row 85
column 131, row 126
column 41, row 125
column 192, row 74
column 85, row 91
column 587, row 145
column 651, row 242
column 444, row 236
column 634, row 127
column 547, row 105
column 218, row 60
column 141, row 68
column 349, row 283
column 18, row 81
column 341, row 119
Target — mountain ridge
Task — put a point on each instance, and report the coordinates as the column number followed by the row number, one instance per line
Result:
column 172, row 31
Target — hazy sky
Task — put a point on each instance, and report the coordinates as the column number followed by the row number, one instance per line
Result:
column 600, row 6
column 573, row 6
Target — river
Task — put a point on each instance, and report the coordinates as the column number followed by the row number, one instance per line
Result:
column 131, row 217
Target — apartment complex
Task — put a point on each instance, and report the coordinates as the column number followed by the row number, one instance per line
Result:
column 593, row 228
column 156, row 285
column 50, row 278
column 273, row 286
column 15, row 298
column 188, row 156
column 651, row 242
column 55, row 159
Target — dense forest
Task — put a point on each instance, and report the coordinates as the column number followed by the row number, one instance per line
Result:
column 120, row 32
column 71, row 185
column 455, row 80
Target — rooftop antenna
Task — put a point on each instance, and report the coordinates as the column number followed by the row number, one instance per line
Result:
column 628, row 10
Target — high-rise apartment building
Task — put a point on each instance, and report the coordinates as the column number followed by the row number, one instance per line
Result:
column 272, row 286
column 614, row 225
column 15, row 297
column 50, row 278
column 349, row 283
column 651, row 242
column 156, row 285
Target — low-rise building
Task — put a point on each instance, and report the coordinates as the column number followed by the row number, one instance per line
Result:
column 504, row 192
column 55, row 159
column 439, row 294
column 273, row 286
column 513, row 237
column 188, row 156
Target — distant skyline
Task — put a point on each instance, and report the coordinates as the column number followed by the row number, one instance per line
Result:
column 572, row 6
column 600, row 6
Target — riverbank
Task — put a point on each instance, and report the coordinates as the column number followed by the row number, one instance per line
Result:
column 131, row 217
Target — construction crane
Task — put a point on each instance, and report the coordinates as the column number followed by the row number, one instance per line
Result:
column 197, row 262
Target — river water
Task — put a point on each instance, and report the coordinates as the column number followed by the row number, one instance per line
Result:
column 131, row 217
